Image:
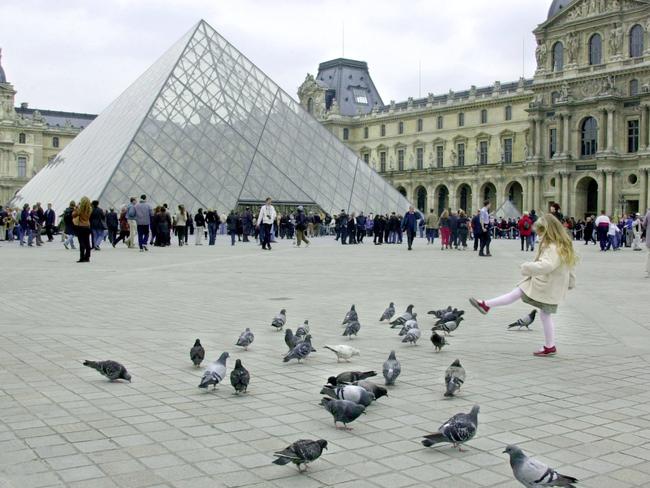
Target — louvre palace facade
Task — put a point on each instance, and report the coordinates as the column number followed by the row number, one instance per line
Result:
column 578, row 133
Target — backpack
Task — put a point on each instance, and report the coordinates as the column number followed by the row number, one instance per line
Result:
column 527, row 225
column 131, row 214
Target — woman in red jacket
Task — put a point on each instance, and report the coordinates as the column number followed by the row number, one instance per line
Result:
column 525, row 226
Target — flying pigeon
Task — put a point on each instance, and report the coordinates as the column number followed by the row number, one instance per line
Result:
column 303, row 451
column 533, row 473
column 402, row 319
column 351, row 316
column 343, row 411
column 215, row 372
column 245, row 339
column 457, row 430
column 454, row 378
column 525, row 321
column 301, row 351
column 388, row 313
column 197, row 353
column 352, row 328
column 351, row 376
column 412, row 336
column 438, row 341
column 240, row 377
column 410, row 324
column 303, row 329
column 343, row 352
column 448, row 326
column 439, row 313
column 391, row 369
column 111, row 369
column 369, row 386
column 356, row 394
column 279, row 320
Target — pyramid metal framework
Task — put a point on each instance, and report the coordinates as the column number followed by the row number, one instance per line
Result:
column 204, row 127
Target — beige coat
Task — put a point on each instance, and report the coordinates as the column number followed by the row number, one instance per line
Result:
column 547, row 278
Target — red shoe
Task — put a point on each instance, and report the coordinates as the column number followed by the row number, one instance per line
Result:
column 480, row 306
column 547, row 351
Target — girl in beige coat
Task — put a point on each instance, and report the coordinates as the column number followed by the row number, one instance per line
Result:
column 546, row 281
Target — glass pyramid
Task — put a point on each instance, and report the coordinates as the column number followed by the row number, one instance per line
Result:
column 204, row 127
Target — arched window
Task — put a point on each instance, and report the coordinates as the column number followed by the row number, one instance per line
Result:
column 508, row 112
column 346, row 133
column 595, row 49
column 484, row 116
column 558, row 56
column 310, row 105
column 22, row 138
column 636, row 41
column 55, row 142
column 589, row 139
column 400, row 127
column 634, row 88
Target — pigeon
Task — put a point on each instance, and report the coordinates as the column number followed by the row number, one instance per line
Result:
column 111, row 369
column 388, row 313
column 457, row 430
column 239, row 378
column 343, row 352
column 533, row 473
column 197, row 353
column 352, row 328
column 524, row 321
column 439, row 313
column 290, row 339
column 354, row 393
column 410, row 324
column 402, row 319
column 438, row 341
column 454, row 378
column 215, row 372
column 351, row 316
column 412, row 336
column 245, row 339
column 303, row 329
column 303, row 451
column 343, row 411
column 351, row 376
column 279, row 320
column 391, row 369
column 369, row 386
column 448, row 326
column 301, row 351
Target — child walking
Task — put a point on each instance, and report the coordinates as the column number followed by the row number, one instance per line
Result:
column 546, row 281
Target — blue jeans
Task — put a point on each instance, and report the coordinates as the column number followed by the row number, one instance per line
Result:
column 69, row 240
column 232, row 238
column 30, row 236
column 98, row 237
column 143, row 235
column 212, row 233
column 21, row 234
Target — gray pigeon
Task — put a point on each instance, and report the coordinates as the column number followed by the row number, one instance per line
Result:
column 303, row 451
column 388, row 313
column 402, row 319
column 197, row 353
column 450, row 314
column 457, row 430
column 448, row 326
column 524, row 321
column 454, row 378
column 351, row 376
column 369, row 386
column 290, row 339
column 303, row 329
column 410, row 324
column 279, row 320
column 301, row 351
column 352, row 328
column 391, row 369
column 215, row 372
column 533, row 473
column 245, row 339
column 111, row 369
column 438, row 341
column 412, row 336
column 240, row 377
column 351, row 316
column 354, row 393
column 343, row 411
column 439, row 313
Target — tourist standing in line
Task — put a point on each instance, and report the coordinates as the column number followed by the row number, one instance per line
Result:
column 453, row 230
column 352, row 228
column 546, row 281
column 232, row 221
column 588, row 232
column 247, row 223
column 445, row 232
column 602, row 229
column 476, row 229
column 378, row 229
column 163, row 227
column 143, row 215
column 68, row 226
column 636, row 232
column 50, row 219
column 301, row 226
column 525, row 227
column 361, row 227
column 265, row 221
column 199, row 223
column 112, row 224
column 32, row 225
column 410, row 225
column 38, row 220
column 181, row 225
column 81, row 221
column 463, row 229
column 133, row 223
column 123, row 223
column 97, row 225
column 485, row 229
column 23, row 224
column 431, row 226
column 9, row 222
column 212, row 220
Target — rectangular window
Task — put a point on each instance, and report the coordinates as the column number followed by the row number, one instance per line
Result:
column 365, row 133
column 360, row 96
column 382, row 130
column 22, row 167
column 346, row 134
column 552, row 142
column 461, row 154
column 366, row 158
column 400, row 127
column 382, row 161
column 419, row 125
column 419, row 157
column 461, row 119
column 439, row 156
column 632, row 136
column 483, row 152
column 508, row 112
column 507, row 151
column 400, row 159
column 439, row 123
column 483, row 116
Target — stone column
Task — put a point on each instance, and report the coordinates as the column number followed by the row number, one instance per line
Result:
column 602, row 130
column 565, row 194
column 528, row 201
column 610, row 131
column 537, row 193
column 643, row 130
column 558, row 188
column 601, row 191
column 566, row 138
column 452, row 196
column 644, row 201
column 538, row 137
column 609, row 192
column 476, row 199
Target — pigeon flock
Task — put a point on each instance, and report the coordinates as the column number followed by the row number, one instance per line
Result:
column 350, row 394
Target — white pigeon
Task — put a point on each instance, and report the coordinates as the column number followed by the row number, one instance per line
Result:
column 215, row 372
column 533, row 473
column 343, row 352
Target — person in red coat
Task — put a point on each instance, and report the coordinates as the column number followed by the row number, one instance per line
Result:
column 525, row 226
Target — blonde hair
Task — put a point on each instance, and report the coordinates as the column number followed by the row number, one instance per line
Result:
column 445, row 214
column 84, row 205
column 550, row 229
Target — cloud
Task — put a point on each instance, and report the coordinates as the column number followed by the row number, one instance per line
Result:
column 79, row 55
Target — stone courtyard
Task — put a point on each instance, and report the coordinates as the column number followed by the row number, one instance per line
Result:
column 585, row 412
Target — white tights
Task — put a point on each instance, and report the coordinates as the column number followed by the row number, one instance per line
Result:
column 547, row 320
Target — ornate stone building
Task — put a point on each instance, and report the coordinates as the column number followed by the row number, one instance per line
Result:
column 578, row 133
column 29, row 138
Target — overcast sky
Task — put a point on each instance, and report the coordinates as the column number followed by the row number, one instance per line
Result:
column 78, row 55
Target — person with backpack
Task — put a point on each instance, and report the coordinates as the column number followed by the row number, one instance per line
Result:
column 133, row 224
column 232, row 220
column 525, row 227
column 301, row 227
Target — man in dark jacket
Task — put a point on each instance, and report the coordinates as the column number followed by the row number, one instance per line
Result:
column 378, row 229
column 97, row 224
column 361, row 228
column 112, row 223
column 453, row 228
column 247, row 223
column 476, row 229
column 410, row 225
column 50, row 219
column 301, row 227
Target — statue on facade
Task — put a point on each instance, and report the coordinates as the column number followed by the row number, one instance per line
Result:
column 565, row 92
column 409, row 103
column 430, row 99
column 609, row 86
column 454, row 157
column 334, row 107
column 541, row 54
column 472, row 91
column 616, row 40
column 572, row 47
